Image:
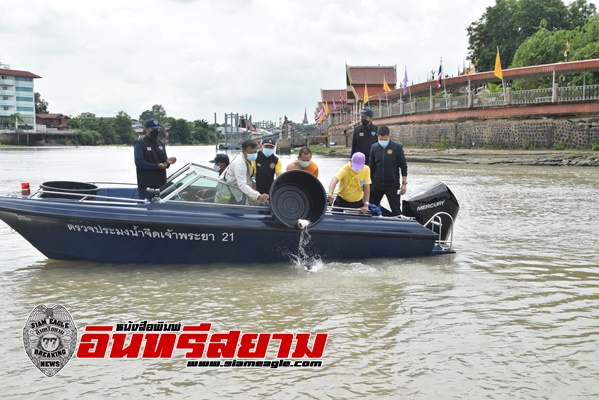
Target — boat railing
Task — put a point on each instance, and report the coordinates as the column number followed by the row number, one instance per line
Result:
column 89, row 198
column 437, row 222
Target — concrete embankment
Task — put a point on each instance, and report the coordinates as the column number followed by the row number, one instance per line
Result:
column 497, row 157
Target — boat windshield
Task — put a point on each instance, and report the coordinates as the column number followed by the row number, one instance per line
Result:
column 196, row 183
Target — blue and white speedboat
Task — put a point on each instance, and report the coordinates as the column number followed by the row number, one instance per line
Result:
column 183, row 224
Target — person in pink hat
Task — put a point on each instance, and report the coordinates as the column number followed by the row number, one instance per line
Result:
column 354, row 185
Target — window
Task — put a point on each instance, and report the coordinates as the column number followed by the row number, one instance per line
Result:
column 24, row 108
column 24, row 89
column 5, row 108
column 23, row 99
column 23, row 79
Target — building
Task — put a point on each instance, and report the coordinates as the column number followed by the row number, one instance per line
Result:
column 367, row 80
column 58, row 121
column 17, row 99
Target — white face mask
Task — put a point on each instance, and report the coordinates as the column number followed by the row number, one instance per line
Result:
column 268, row 152
column 216, row 168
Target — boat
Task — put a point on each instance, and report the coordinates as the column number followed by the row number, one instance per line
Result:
column 182, row 223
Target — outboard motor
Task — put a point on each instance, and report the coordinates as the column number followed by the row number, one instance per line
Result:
column 432, row 198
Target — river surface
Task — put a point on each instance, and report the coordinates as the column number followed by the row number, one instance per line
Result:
column 514, row 314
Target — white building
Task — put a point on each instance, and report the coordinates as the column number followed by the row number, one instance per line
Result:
column 17, row 99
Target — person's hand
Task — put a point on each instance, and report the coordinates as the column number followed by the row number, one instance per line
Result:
column 330, row 199
column 364, row 209
column 163, row 165
column 402, row 191
column 263, row 197
column 171, row 160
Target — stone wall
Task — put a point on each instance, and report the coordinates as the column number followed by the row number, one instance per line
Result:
column 575, row 133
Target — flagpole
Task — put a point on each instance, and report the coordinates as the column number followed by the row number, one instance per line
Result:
column 444, row 86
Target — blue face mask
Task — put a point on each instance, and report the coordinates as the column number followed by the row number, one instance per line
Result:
column 383, row 143
column 251, row 157
column 304, row 164
column 268, row 152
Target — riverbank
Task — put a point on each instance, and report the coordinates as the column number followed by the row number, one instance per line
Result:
column 579, row 158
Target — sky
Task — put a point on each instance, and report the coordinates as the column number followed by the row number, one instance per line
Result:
column 198, row 58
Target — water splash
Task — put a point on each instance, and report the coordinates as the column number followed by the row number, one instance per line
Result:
column 302, row 259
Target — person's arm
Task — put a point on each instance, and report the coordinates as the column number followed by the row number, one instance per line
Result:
column 291, row 166
column 240, row 172
column 366, row 199
column 279, row 168
column 316, row 171
column 332, row 186
column 403, row 166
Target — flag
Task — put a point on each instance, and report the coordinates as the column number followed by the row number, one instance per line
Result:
column 365, row 94
column 405, row 82
column 386, row 87
column 341, row 100
column 320, row 114
column 326, row 108
column 440, row 77
column 334, row 105
column 498, row 72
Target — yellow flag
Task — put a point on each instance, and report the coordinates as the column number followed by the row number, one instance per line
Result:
column 386, row 87
column 365, row 94
column 498, row 71
column 326, row 108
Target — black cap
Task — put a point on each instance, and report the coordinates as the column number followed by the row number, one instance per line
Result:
column 220, row 158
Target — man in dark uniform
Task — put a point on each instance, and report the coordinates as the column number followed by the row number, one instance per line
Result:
column 268, row 166
column 387, row 159
column 151, row 160
column 364, row 134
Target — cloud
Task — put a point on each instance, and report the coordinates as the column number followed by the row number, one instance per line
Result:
column 266, row 58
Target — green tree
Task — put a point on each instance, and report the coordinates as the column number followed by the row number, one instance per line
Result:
column 122, row 127
column 157, row 112
column 509, row 23
column 546, row 47
column 180, row 132
column 41, row 105
column 579, row 13
column 108, row 132
column 203, row 132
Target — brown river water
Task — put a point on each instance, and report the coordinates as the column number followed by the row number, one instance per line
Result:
column 514, row 314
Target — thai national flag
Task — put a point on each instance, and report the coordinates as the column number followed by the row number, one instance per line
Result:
column 440, row 77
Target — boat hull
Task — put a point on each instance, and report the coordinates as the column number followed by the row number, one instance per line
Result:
column 192, row 233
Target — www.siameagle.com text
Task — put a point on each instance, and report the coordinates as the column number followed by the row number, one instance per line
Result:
column 255, row 364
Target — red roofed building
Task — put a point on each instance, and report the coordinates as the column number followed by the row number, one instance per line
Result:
column 17, row 99
column 58, row 121
column 372, row 78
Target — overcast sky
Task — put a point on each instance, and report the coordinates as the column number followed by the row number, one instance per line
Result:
column 265, row 58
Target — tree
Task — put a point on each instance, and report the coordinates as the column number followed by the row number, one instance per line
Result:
column 203, row 132
column 157, row 112
column 108, row 132
column 41, row 105
column 579, row 12
column 180, row 132
column 122, row 127
column 509, row 23
column 547, row 47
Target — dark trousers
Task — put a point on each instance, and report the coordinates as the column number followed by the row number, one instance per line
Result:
column 377, row 191
column 340, row 202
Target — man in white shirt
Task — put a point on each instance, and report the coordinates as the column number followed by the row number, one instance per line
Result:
column 241, row 171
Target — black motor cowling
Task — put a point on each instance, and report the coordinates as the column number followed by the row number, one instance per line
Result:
column 428, row 200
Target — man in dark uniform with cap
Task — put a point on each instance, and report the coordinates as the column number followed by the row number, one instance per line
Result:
column 268, row 166
column 364, row 134
column 151, row 160
column 221, row 162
